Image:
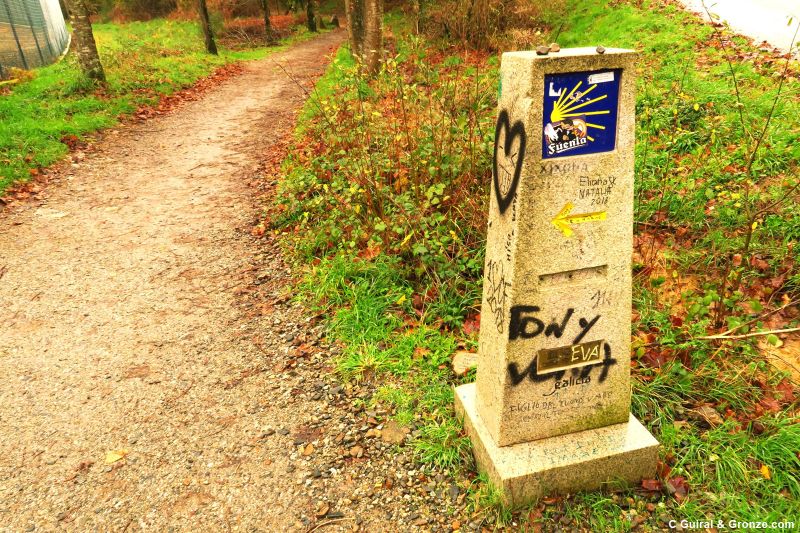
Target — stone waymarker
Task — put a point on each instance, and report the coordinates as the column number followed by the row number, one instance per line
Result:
column 550, row 412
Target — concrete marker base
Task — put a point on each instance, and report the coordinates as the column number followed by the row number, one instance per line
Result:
column 586, row 460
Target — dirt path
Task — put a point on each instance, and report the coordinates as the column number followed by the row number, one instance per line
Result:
column 138, row 314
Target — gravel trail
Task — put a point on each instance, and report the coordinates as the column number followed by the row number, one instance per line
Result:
column 142, row 326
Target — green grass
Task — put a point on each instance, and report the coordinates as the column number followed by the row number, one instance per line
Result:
column 367, row 305
column 143, row 61
column 692, row 147
column 326, row 88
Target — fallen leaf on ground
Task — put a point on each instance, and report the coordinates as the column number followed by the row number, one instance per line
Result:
column 472, row 324
column 258, row 230
column 112, row 456
column 678, row 487
column 663, row 469
column 652, row 485
column 680, row 424
column 785, row 391
column 656, row 358
column 420, row 352
column 770, row 404
column 371, row 252
column 707, row 414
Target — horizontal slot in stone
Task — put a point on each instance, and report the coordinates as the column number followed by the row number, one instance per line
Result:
column 573, row 276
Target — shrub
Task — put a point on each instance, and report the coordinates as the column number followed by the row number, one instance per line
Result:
column 484, row 24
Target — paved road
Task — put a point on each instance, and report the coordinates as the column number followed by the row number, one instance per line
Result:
column 762, row 20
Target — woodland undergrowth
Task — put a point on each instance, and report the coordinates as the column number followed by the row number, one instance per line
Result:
column 386, row 195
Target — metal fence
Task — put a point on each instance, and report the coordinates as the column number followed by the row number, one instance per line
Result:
column 32, row 33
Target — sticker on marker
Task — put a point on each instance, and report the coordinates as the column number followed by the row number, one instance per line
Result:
column 580, row 113
column 601, row 77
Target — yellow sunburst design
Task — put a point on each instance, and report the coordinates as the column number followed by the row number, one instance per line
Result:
column 567, row 105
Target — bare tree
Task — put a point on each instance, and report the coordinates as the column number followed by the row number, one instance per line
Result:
column 311, row 15
column 354, row 9
column 373, row 35
column 415, row 10
column 267, row 25
column 478, row 23
column 205, row 23
column 85, row 46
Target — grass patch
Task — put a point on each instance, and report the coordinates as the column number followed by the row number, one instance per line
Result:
column 143, row 62
column 387, row 192
column 367, row 305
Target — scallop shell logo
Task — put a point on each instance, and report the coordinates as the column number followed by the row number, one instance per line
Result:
column 569, row 127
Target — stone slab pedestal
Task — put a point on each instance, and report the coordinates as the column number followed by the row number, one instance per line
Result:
column 565, row 464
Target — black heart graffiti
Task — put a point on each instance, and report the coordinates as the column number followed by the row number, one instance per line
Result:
column 505, row 186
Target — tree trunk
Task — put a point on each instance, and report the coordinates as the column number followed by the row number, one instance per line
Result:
column 311, row 15
column 85, row 46
column 478, row 27
column 354, row 9
column 373, row 35
column 205, row 23
column 415, row 9
column 267, row 25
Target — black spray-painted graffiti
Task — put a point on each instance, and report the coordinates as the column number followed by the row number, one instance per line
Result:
column 523, row 325
column 508, row 170
column 497, row 284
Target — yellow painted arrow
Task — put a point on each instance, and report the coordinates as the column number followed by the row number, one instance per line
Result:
column 563, row 219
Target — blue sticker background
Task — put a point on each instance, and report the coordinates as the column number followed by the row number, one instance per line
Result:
column 580, row 113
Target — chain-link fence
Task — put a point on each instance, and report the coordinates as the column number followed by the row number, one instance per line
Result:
column 32, row 33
